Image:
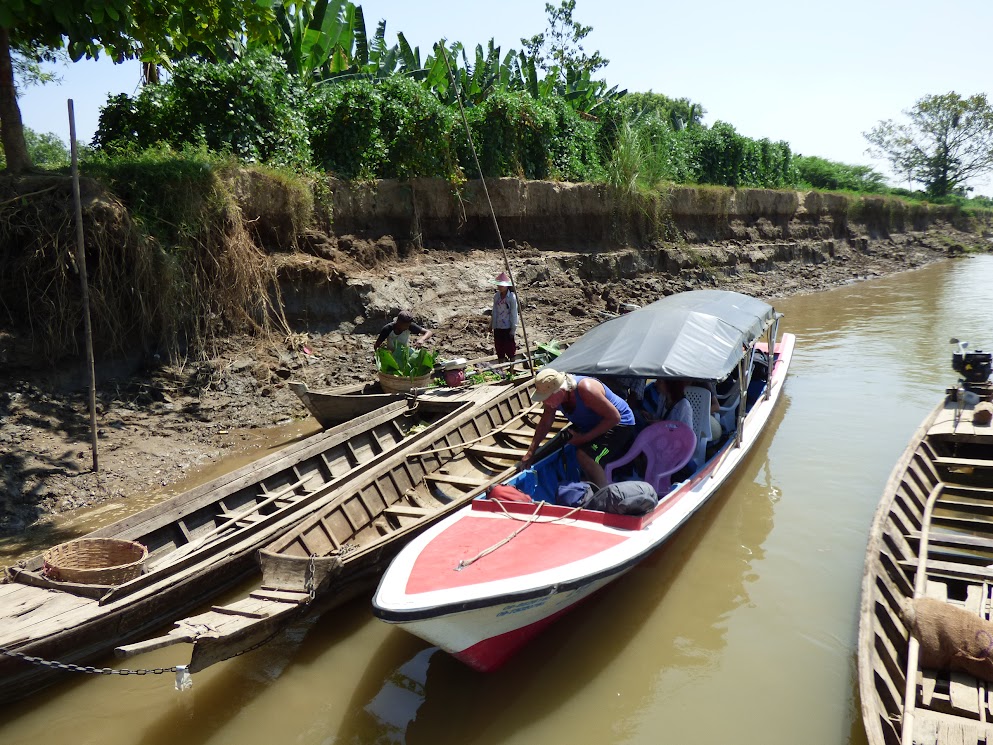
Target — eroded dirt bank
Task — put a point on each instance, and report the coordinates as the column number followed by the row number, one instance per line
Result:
column 161, row 423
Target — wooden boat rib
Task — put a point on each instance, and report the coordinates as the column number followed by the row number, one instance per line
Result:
column 342, row 548
column 932, row 536
column 200, row 543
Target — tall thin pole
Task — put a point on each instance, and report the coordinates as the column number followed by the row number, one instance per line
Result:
column 81, row 265
column 529, row 361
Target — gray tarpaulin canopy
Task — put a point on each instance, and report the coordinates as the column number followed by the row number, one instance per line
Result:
column 695, row 334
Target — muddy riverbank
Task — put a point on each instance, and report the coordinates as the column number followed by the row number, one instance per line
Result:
column 162, row 424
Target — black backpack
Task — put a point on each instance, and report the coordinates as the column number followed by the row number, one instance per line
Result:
column 624, row 498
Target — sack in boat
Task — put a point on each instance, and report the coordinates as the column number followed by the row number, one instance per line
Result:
column 572, row 493
column 505, row 493
column 983, row 414
column 624, row 498
column 951, row 637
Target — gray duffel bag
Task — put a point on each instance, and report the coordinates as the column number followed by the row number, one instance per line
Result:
column 624, row 498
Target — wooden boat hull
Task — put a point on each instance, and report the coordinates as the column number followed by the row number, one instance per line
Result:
column 336, row 405
column 332, row 406
column 343, row 548
column 201, row 543
column 931, row 536
column 479, row 586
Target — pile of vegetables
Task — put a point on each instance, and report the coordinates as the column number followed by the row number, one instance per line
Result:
column 405, row 362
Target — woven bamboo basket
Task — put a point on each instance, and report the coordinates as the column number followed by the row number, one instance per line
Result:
column 95, row 561
column 399, row 384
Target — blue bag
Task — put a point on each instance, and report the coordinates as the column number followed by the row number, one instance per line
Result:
column 572, row 493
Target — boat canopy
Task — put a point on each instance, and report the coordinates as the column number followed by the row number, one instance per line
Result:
column 698, row 334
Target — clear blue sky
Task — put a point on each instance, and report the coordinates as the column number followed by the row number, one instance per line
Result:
column 816, row 74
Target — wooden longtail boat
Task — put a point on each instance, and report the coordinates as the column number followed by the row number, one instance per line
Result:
column 200, row 543
column 931, row 537
column 487, row 579
column 344, row 547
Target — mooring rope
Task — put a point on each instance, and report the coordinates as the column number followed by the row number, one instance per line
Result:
column 528, row 521
column 496, row 225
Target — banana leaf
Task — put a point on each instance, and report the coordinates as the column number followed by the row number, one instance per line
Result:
column 386, row 363
column 405, row 362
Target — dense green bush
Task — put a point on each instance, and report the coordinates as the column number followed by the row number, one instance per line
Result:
column 820, row 173
column 416, row 130
column 575, row 149
column 345, row 138
column 512, row 133
column 251, row 108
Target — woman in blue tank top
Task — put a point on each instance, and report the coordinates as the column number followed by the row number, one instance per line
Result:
column 603, row 423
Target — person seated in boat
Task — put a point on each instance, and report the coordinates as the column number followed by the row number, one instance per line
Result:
column 397, row 332
column 666, row 399
column 602, row 422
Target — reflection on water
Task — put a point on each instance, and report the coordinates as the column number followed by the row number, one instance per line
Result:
column 742, row 629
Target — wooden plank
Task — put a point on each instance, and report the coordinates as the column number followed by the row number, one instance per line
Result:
column 402, row 510
column 451, row 478
column 281, row 596
column 938, row 538
column 963, row 462
column 963, row 693
column 497, row 452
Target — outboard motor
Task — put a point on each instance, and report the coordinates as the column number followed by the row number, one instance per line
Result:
column 974, row 367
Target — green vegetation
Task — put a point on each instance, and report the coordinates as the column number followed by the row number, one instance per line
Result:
column 303, row 93
column 405, row 362
column 948, row 140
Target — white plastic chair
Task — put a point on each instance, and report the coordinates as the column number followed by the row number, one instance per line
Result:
column 699, row 399
column 728, row 414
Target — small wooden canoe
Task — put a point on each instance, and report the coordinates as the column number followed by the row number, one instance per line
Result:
column 343, row 548
column 931, row 537
column 332, row 406
column 200, row 543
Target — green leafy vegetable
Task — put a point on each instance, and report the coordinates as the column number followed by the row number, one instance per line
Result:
column 405, row 362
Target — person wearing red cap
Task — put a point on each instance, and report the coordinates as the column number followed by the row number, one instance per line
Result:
column 503, row 321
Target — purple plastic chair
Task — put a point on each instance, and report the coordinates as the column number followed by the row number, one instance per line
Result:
column 667, row 447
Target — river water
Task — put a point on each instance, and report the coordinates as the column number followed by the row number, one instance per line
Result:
column 742, row 629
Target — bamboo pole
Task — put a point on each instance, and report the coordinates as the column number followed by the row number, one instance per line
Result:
column 81, row 267
column 529, row 359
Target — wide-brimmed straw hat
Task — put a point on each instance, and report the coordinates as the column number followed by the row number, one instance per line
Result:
column 547, row 383
column 502, row 280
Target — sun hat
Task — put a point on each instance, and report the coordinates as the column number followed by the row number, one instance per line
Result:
column 503, row 280
column 547, row 382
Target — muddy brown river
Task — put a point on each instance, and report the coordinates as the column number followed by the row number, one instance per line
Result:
column 741, row 629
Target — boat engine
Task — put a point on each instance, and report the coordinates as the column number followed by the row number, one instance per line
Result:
column 974, row 367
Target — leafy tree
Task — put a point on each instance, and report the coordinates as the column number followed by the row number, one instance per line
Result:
column 124, row 29
column 948, row 140
column 559, row 49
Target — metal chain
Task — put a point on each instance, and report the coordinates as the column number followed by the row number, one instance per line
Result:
column 68, row 666
column 308, row 582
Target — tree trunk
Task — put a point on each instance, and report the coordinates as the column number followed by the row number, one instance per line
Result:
column 11, row 127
